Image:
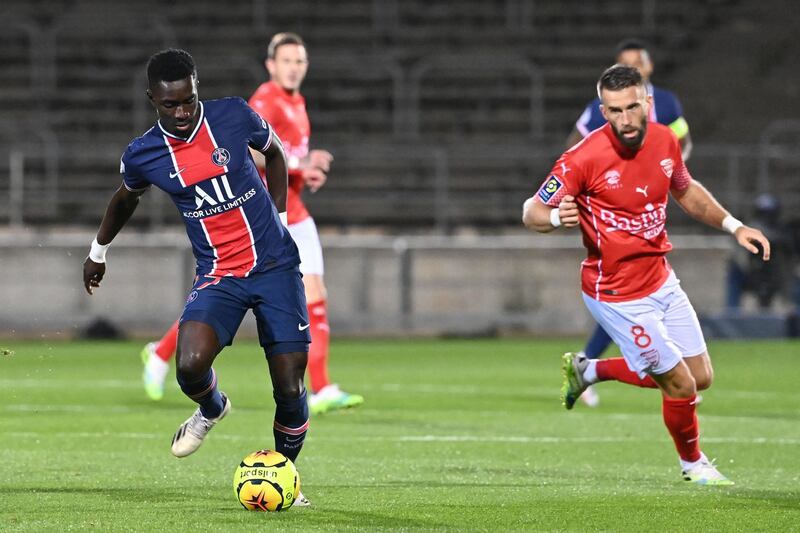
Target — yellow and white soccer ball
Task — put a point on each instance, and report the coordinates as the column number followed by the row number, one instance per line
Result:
column 266, row 481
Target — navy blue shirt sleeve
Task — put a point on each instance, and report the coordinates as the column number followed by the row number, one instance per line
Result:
column 590, row 119
column 259, row 131
column 668, row 108
column 131, row 178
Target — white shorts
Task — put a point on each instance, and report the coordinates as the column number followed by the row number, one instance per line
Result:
column 653, row 332
column 306, row 238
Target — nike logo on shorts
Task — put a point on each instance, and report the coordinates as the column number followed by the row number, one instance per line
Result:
column 301, row 327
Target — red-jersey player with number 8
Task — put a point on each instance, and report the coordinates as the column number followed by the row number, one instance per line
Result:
column 615, row 185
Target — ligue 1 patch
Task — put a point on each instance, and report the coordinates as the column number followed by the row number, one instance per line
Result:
column 192, row 297
column 666, row 166
column 551, row 186
column 220, row 157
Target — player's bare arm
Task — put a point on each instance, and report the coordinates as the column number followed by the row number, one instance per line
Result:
column 701, row 205
column 119, row 211
column 541, row 217
column 276, row 173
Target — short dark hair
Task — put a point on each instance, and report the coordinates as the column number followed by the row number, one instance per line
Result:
column 629, row 44
column 170, row 65
column 618, row 77
column 279, row 39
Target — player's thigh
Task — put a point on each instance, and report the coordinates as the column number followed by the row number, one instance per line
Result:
column 684, row 329
column 279, row 305
column 306, row 238
column 640, row 333
column 218, row 302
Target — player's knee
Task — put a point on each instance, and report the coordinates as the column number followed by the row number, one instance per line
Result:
column 681, row 386
column 705, row 379
column 290, row 389
column 190, row 362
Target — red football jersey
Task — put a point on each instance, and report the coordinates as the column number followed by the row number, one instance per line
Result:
column 286, row 113
column 622, row 198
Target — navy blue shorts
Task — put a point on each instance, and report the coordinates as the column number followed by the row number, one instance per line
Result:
column 277, row 299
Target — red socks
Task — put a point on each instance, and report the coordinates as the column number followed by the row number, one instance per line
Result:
column 680, row 417
column 616, row 369
column 318, row 351
column 680, row 414
column 165, row 348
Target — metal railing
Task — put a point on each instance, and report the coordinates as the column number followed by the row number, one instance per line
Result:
column 436, row 186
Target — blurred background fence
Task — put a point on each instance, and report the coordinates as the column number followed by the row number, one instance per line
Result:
column 443, row 117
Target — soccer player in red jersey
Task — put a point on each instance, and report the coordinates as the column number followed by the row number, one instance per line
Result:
column 280, row 103
column 665, row 109
column 615, row 185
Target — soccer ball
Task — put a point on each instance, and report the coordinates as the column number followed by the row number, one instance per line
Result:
column 266, row 481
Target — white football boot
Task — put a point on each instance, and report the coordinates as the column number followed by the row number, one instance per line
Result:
column 191, row 433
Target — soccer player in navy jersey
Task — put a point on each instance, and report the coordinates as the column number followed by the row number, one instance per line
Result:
column 199, row 153
column 666, row 110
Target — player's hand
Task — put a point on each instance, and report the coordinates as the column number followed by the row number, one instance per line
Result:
column 568, row 212
column 314, row 178
column 92, row 274
column 753, row 241
column 321, row 159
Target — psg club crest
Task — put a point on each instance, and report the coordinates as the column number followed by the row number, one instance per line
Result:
column 220, row 157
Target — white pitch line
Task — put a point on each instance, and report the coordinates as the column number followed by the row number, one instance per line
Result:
column 406, row 438
column 417, row 388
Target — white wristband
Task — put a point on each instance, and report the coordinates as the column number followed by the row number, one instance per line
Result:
column 731, row 224
column 97, row 252
column 555, row 218
column 284, row 218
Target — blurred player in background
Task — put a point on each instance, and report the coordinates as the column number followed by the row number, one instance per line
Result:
column 280, row 103
column 200, row 154
column 616, row 185
column 667, row 110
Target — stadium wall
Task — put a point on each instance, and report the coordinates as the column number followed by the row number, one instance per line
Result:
column 378, row 285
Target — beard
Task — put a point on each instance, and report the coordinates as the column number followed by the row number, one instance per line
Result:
column 631, row 142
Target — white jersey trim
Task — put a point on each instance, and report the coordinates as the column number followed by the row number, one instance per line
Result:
column 252, row 241
column 194, row 133
column 599, row 261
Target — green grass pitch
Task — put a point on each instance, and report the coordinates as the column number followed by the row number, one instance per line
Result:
column 458, row 435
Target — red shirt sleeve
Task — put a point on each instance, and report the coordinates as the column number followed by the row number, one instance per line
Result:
column 565, row 178
column 680, row 179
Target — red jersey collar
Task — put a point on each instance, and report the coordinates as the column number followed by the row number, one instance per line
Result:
column 620, row 148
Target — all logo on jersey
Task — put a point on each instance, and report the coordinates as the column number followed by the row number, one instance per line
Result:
column 613, row 179
column 667, row 166
column 220, row 157
column 222, row 192
column 216, row 199
column 550, row 188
